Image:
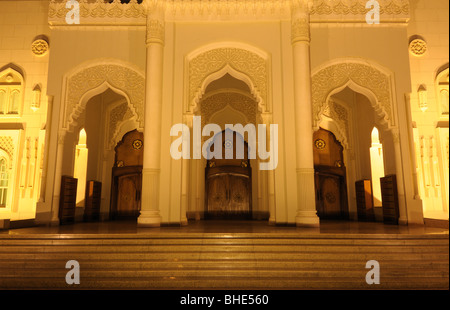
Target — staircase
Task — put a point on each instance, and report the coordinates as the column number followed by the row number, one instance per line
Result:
column 224, row 261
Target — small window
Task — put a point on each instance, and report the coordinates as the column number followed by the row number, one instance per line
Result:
column 4, row 179
column 14, row 99
column 11, row 90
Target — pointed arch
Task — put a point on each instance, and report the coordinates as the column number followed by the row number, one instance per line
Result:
column 244, row 62
column 93, row 78
column 362, row 76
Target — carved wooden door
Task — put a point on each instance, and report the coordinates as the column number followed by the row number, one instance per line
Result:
column 330, row 201
column 218, row 194
column 239, row 201
column 331, row 197
column 128, row 198
column 228, row 197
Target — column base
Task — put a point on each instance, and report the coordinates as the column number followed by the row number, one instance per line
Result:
column 306, row 212
column 308, row 219
column 149, row 219
column 55, row 212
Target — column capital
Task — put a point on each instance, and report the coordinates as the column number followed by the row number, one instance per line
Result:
column 300, row 12
column 155, row 21
column 61, row 136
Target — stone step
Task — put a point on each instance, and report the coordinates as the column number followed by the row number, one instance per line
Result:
column 224, row 283
column 200, row 265
column 223, row 256
column 224, row 262
column 225, row 241
column 280, row 248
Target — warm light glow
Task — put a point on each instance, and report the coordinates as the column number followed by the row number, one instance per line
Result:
column 80, row 168
column 377, row 167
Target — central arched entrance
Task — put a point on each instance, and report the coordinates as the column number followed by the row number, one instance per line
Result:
column 229, row 181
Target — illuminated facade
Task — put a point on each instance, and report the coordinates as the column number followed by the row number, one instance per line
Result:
column 351, row 99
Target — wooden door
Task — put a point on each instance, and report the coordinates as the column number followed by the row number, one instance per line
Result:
column 239, row 199
column 126, row 192
column 330, row 196
column 128, row 197
column 330, row 176
column 228, row 197
column 218, row 194
column 126, row 182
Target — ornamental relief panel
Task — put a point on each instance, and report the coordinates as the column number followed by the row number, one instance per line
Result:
column 341, row 116
column 358, row 7
column 336, row 76
column 237, row 101
column 241, row 60
column 116, row 117
column 123, row 78
column 103, row 12
column 98, row 9
column 7, row 144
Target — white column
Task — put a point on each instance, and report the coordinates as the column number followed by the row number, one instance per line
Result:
column 403, row 220
column 185, row 179
column 58, row 175
column 150, row 214
column 306, row 210
column 267, row 119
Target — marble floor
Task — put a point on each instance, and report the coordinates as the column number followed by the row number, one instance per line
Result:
column 223, row 227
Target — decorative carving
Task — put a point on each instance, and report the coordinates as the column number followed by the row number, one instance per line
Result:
column 101, row 12
column 218, row 102
column 340, row 115
column 320, row 144
column 117, row 115
column 300, row 30
column 7, row 144
column 241, row 60
column 129, row 81
column 364, row 75
column 358, row 7
column 155, row 31
column 39, row 47
column 98, row 9
column 137, row 144
column 418, row 47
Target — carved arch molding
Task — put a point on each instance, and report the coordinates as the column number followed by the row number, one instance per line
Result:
column 129, row 81
column 333, row 77
column 243, row 61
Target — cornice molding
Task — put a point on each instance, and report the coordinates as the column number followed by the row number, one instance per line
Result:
column 98, row 12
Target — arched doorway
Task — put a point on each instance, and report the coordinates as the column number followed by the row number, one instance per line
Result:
column 330, row 176
column 229, row 181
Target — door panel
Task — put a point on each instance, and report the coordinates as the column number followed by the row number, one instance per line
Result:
column 126, row 193
column 127, row 204
column 228, row 197
column 331, row 196
column 239, row 194
column 218, row 194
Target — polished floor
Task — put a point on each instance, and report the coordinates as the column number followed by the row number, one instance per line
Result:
column 232, row 227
